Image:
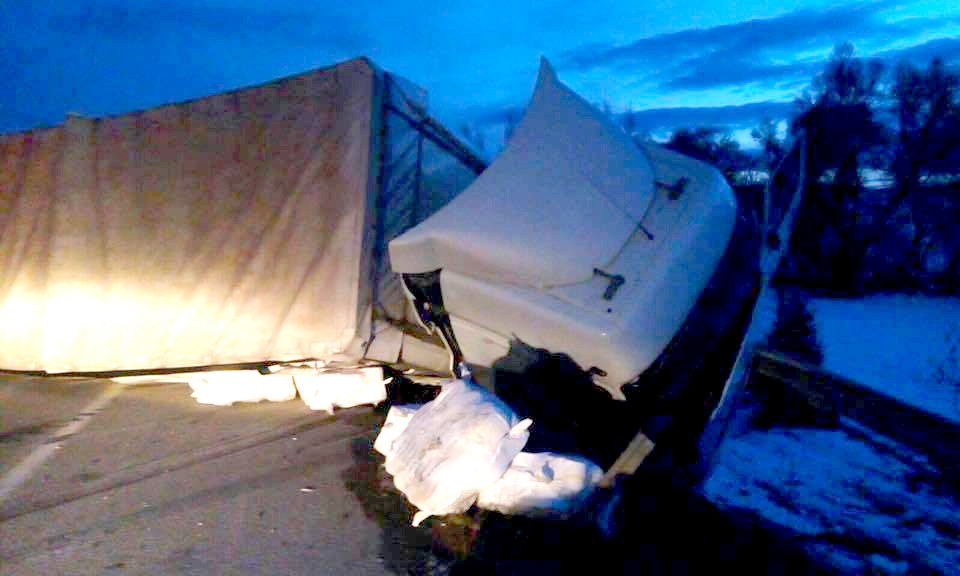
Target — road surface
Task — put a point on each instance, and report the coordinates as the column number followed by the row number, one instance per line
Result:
column 153, row 482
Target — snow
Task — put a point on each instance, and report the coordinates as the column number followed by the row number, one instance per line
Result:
column 905, row 346
column 764, row 317
column 832, row 485
column 859, row 500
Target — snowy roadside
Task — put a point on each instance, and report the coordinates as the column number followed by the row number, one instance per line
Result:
column 864, row 502
column 859, row 501
column 907, row 347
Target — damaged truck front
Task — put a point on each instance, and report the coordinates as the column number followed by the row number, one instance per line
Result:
column 631, row 259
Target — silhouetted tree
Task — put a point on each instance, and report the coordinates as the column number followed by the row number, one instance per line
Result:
column 607, row 109
column 771, row 144
column 841, row 130
column 839, row 119
column 928, row 115
column 713, row 146
column 629, row 121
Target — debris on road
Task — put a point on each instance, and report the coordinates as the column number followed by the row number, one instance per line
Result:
column 530, row 484
column 320, row 387
column 398, row 417
column 542, row 484
column 342, row 389
column 225, row 388
column 453, row 448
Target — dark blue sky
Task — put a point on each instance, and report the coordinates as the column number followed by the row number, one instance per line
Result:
column 684, row 63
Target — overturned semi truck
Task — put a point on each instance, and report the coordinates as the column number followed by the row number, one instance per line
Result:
column 252, row 228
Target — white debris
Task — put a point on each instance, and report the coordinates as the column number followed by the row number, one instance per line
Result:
column 398, row 417
column 305, row 367
column 542, row 484
column 223, row 388
column 533, row 485
column 453, row 448
column 342, row 389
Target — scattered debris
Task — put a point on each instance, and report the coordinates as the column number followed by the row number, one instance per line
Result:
column 453, row 448
column 342, row 389
column 534, row 484
column 224, row 388
column 542, row 484
column 320, row 387
column 398, row 417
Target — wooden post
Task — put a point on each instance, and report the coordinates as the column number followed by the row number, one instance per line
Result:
column 836, row 397
column 629, row 460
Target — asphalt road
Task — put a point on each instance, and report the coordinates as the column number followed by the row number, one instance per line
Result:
column 96, row 478
column 154, row 483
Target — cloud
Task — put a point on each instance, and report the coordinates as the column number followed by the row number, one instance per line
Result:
column 657, row 120
column 789, row 32
column 724, row 117
column 724, row 69
column 719, row 70
column 759, row 51
column 947, row 49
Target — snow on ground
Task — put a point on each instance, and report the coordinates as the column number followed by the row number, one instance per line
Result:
column 764, row 317
column 866, row 503
column 907, row 347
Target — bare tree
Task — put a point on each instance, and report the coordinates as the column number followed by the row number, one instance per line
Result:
column 714, row 146
column 848, row 80
column 839, row 118
column 768, row 137
column 928, row 114
column 629, row 121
